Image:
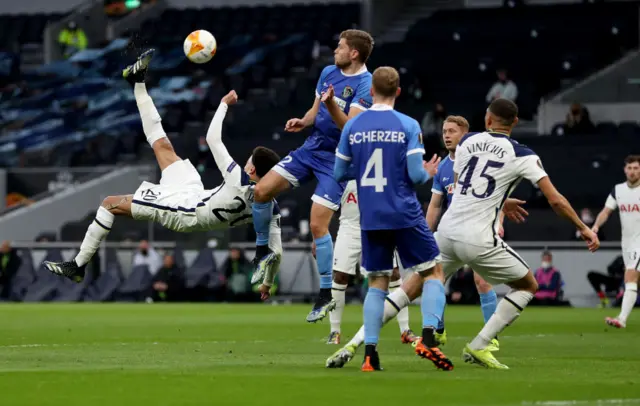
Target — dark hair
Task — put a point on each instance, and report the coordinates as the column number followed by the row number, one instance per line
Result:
column 632, row 159
column 505, row 110
column 385, row 81
column 359, row 40
column 547, row 253
column 264, row 159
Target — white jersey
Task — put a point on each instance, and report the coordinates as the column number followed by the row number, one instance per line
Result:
column 229, row 204
column 489, row 166
column 627, row 201
column 349, row 211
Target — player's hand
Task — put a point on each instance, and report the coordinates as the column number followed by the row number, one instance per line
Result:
column 595, row 229
column 265, row 292
column 501, row 231
column 294, row 125
column 432, row 166
column 593, row 243
column 327, row 96
column 230, row 98
column 514, row 211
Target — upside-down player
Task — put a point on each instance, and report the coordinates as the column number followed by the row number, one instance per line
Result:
column 180, row 202
column 626, row 198
column 346, row 257
column 385, row 151
column 342, row 92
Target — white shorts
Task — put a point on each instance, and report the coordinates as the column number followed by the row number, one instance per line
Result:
column 172, row 203
column 496, row 265
column 631, row 259
column 347, row 251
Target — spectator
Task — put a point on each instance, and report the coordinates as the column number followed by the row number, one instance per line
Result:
column 462, row 288
column 237, row 272
column 549, row 282
column 147, row 256
column 433, row 120
column 72, row 39
column 168, row 283
column 9, row 263
column 504, row 88
column 611, row 283
column 578, row 121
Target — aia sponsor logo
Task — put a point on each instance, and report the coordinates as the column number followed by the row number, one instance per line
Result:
column 351, row 198
column 628, row 208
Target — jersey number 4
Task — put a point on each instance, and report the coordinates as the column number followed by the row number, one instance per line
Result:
column 374, row 164
column 465, row 179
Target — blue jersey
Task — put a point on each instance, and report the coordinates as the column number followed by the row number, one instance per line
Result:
column 378, row 142
column 443, row 181
column 350, row 91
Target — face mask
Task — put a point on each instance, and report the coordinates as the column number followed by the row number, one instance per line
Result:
column 545, row 264
column 143, row 252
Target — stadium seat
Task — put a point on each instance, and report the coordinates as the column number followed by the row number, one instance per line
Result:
column 199, row 273
column 106, row 286
column 135, row 285
column 25, row 276
column 629, row 128
column 46, row 283
column 606, row 128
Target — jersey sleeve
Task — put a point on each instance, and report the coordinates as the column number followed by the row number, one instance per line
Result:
column 437, row 188
column 234, row 175
column 321, row 79
column 530, row 168
column 344, row 148
column 611, row 202
column 362, row 98
column 415, row 144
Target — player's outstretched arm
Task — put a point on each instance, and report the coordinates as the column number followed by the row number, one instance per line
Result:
column 214, row 134
column 295, row 125
column 562, row 207
column 602, row 218
column 341, row 166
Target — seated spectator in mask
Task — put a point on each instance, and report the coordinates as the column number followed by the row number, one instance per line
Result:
column 237, row 272
column 549, row 283
column 168, row 282
column 578, row 121
column 9, row 264
column 462, row 288
column 146, row 255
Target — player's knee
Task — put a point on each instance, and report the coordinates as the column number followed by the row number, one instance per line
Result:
column 340, row 277
column 318, row 227
column 110, row 201
column 481, row 285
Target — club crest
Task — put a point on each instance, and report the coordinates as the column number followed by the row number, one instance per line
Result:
column 347, row 92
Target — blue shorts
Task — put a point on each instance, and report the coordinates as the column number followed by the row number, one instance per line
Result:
column 417, row 249
column 300, row 165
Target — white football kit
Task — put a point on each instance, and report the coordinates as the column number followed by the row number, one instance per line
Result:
column 181, row 203
column 627, row 201
column 347, row 253
column 489, row 166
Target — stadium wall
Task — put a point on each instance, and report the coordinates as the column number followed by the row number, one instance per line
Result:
column 298, row 275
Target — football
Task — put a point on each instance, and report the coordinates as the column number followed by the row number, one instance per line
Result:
column 200, row 46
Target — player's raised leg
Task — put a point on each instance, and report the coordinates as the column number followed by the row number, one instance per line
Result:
column 96, row 233
column 629, row 298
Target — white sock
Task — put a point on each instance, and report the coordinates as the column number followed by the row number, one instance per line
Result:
column 97, row 231
column 507, row 312
column 397, row 300
column 628, row 300
column 151, row 121
column 403, row 315
column 338, row 294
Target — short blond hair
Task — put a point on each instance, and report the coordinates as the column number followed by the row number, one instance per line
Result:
column 459, row 120
column 385, row 81
column 359, row 40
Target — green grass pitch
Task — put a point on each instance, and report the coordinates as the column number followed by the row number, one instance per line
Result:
column 117, row 355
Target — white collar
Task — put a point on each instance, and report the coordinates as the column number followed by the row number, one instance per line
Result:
column 360, row 72
column 380, row 107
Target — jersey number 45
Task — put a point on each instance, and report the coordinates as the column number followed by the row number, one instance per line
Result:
column 466, row 177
